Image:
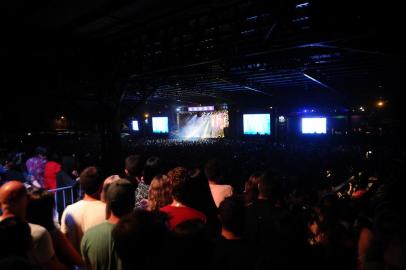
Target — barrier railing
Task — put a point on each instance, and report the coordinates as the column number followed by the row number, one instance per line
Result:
column 66, row 193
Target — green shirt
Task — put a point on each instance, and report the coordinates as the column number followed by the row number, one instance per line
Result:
column 98, row 248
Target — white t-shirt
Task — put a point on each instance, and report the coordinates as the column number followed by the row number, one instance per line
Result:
column 42, row 250
column 77, row 218
column 220, row 192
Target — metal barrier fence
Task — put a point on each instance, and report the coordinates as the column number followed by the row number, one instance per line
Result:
column 63, row 196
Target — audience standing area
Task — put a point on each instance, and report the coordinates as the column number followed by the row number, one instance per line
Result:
column 207, row 135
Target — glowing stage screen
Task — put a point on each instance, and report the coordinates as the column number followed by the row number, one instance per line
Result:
column 257, row 124
column 314, row 125
column 202, row 125
column 134, row 125
column 160, row 125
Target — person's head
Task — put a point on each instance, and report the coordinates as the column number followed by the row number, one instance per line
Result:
column 54, row 156
column 68, row 164
column 251, row 187
column 41, row 152
column 106, row 185
column 120, row 197
column 191, row 240
column 40, row 208
column 15, row 235
column 90, row 181
column 232, row 214
column 133, row 166
column 214, row 170
column 139, row 233
column 14, row 160
column 160, row 192
column 179, row 178
column 270, row 186
column 13, row 199
column 153, row 167
column 329, row 208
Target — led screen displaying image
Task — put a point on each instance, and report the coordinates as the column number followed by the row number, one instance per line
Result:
column 160, row 125
column 314, row 125
column 257, row 124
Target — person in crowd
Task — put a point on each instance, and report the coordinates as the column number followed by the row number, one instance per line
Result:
column 133, row 173
column 334, row 238
column 178, row 211
column 13, row 255
column 36, row 167
column 270, row 229
column 142, row 241
column 77, row 218
column 13, row 203
column 16, row 236
column 133, row 168
column 65, row 178
column 40, row 210
column 200, row 198
column 191, row 240
column 107, row 182
column 97, row 247
column 214, row 172
column 160, row 193
column 152, row 167
column 251, row 188
column 12, row 168
column 231, row 251
column 52, row 168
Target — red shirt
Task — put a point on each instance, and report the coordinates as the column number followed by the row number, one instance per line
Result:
column 51, row 170
column 178, row 215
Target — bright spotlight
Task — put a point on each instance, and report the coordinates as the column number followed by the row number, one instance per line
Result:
column 146, row 115
column 380, row 104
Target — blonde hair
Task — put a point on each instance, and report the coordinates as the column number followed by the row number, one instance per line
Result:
column 160, row 193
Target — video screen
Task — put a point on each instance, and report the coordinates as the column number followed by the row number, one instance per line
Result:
column 257, row 124
column 134, row 125
column 314, row 125
column 160, row 125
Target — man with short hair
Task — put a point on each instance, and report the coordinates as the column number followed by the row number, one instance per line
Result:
column 13, row 203
column 86, row 213
column 270, row 228
column 133, row 168
column 231, row 251
column 214, row 174
column 98, row 249
column 142, row 241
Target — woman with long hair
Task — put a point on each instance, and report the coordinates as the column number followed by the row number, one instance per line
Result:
column 251, row 188
column 160, row 193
